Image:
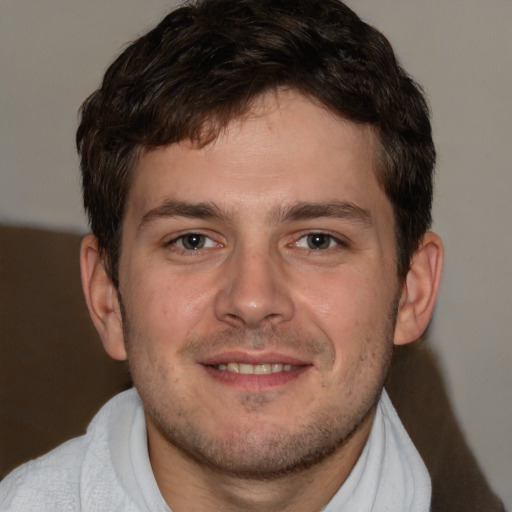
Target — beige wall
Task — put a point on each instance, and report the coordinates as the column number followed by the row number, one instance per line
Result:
column 53, row 53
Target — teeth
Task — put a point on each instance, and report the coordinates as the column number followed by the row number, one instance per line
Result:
column 233, row 368
column 254, row 369
column 246, row 369
column 262, row 369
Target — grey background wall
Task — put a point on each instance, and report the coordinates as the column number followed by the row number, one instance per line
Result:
column 53, row 53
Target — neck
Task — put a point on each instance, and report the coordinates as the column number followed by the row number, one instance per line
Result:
column 188, row 485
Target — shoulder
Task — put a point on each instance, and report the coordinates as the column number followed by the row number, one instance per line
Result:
column 54, row 481
column 50, row 480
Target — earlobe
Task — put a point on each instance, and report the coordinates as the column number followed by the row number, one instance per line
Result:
column 420, row 289
column 101, row 298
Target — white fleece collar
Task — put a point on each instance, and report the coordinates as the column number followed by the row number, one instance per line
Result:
column 390, row 475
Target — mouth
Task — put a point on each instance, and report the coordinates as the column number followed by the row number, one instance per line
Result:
column 255, row 373
column 255, row 369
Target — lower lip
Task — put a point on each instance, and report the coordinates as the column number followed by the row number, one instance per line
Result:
column 253, row 382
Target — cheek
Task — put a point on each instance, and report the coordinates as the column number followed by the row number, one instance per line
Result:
column 355, row 315
column 162, row 302
column 344, row 301
column 155, row 325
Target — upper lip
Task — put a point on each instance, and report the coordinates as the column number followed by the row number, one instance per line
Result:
column 252, row 358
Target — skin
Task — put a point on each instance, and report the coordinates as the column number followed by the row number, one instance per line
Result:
column 294, row 263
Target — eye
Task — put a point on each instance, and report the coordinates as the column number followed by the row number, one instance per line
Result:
column 193, row 242
column 318, row 241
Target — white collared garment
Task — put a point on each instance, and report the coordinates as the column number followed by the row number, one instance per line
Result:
column 390, row 475
column 108, row 469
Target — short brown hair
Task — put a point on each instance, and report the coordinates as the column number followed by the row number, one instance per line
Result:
column 205, row 63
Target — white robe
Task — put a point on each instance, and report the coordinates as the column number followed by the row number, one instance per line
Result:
column 108, row 469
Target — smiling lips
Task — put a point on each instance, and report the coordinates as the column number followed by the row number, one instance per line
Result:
column 257, row 377
column 255, row 369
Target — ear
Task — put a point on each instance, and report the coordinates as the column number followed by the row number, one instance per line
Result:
column 420, row 289
column 101, row 298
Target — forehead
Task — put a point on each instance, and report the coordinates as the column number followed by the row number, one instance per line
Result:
column 286, row 148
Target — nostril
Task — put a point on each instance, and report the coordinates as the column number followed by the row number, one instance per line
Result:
column 234, row 320
column 252, row 294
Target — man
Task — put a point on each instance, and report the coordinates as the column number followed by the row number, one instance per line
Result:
column 258, row 179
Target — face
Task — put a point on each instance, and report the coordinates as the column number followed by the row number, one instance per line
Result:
column 259, row 288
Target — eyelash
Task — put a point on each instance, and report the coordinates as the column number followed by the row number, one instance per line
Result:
column 178, row 242
column 333, row 242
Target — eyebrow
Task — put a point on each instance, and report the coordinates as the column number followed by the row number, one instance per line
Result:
column 175, row 208
column 333, row 209
column 298, row 211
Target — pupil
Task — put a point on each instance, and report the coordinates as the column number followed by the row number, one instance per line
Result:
column 318, row 241
column 193, row 241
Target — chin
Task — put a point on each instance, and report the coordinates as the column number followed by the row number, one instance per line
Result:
column 260, row 450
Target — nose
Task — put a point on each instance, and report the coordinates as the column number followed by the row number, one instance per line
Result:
column 254, row 292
